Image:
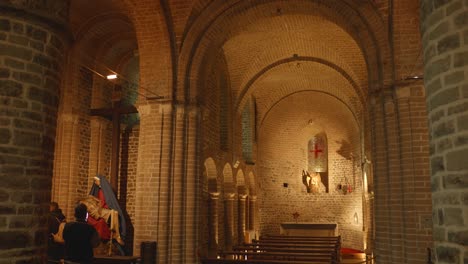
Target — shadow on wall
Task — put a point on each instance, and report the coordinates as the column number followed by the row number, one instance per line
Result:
column 345, row 150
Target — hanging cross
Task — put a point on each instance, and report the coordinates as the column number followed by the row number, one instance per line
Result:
column 114, row 114
column 316, row 151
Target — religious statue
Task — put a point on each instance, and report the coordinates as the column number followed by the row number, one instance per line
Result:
column 104, row 211
column 312, row 183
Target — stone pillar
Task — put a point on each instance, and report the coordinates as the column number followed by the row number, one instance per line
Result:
column 98, row 164
column 229, row 219
column 247, row 213
column 166, row 197
column 445, row 42
column 401, row 176
column 213, row 225
column 241, row 220
column 65, row 181
column 33, row 43
column 152, row 184
column 252, row 212
column 191, row 188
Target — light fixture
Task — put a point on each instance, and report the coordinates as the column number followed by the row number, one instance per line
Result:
column 413, row 77
column 111, row 76
column 356, row 219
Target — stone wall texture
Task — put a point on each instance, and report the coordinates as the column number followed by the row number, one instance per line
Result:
column 445, row 40
column 31, row 60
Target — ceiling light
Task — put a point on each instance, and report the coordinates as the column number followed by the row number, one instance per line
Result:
column 111, row 76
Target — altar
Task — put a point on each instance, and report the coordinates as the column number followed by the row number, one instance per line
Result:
column 308, row 229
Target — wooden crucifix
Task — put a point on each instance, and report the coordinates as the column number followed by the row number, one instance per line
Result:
column 114, row 114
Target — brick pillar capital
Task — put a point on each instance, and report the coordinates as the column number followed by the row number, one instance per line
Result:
column 68, row 118
column 409, row 88
column 229, row 196
column 242, row 197
column 214, row 195
column 144, row 110
column 97, row 121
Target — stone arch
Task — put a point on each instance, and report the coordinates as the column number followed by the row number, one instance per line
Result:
column 252, row 183
column 156, row 47
column 102, row 39
column 228, row 185
column 369, row 30
column 211, row 175
column 245, row 92
column 307, row 91
column 242, row 187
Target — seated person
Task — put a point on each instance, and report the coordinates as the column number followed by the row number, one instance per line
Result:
column 80, row 238
column 55, row 249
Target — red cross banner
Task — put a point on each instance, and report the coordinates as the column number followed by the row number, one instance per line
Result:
column 318, row 154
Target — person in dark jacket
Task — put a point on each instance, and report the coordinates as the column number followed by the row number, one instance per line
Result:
column 55, row 250
column 80, row 238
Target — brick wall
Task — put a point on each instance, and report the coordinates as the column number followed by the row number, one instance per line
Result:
column 283, row 146
column 127, row 179
column 445, row 41
column 401, row 175
column 31, row 56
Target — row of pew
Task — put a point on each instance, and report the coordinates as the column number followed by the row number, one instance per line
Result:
column 284, row 250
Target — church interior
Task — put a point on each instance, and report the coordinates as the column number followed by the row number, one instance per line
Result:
column 217, row 122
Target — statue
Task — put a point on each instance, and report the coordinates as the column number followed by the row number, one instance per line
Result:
column 312, row 183
column 104, row 211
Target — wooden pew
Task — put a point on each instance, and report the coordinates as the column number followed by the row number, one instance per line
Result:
column 319, row 256
column 256, row 261
column 257, row 248
column 328, row 250
column 283, row 249
column 298, row 237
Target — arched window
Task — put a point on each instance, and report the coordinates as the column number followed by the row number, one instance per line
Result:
column 317, row 157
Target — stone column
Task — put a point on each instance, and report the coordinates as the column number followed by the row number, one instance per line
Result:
column 229, row 219
column 65, row 167
column 247, row 213
column 166, row 198
column 213, row 225
column 401, row 182
column 97, row 161
column 33, row 42
column 252, row 212
column 241, row 220
column 445, row 41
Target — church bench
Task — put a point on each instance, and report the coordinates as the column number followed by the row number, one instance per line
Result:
column 283, row 237
column 281, row 244
column 283, row 249
column 259, row 261
column 302, row 252
column 276, row 249
column 291, row 245
column 296, row 245
column 301, row 239
column 326, row 257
